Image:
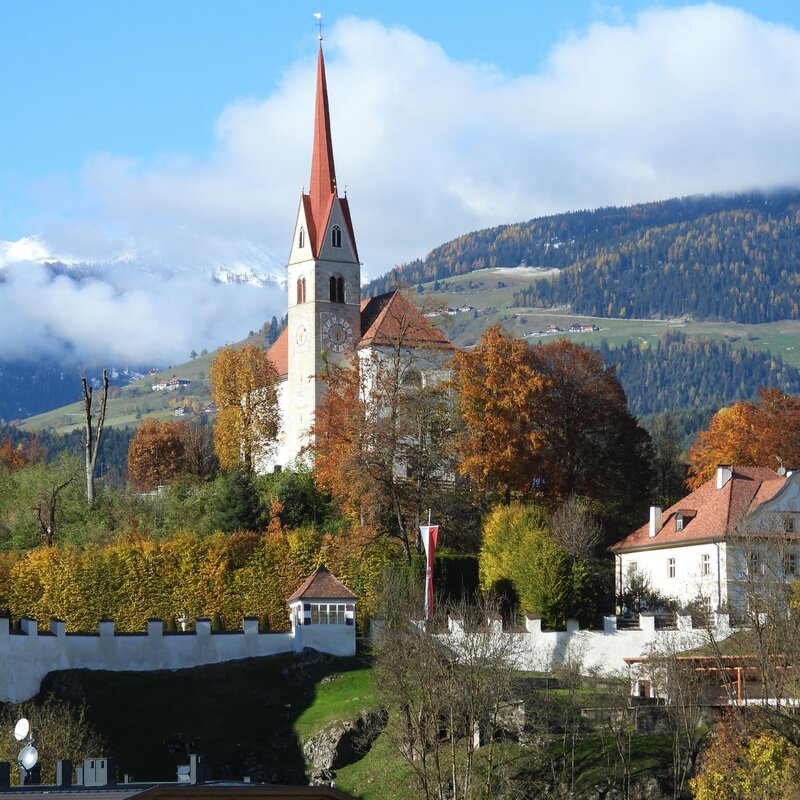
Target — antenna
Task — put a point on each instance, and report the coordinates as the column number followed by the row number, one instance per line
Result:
column 28, row 757
column 22, row 729
column 318, row 17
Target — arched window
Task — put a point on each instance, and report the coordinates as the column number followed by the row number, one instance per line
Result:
column 303, row 289
column 336, row 292
column 301, row 238
column 299, row 291
column 336, row 236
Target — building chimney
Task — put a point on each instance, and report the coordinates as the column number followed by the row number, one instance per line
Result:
column 724, row 474
column 655, row 520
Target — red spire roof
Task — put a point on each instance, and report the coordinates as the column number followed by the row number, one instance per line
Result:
column 323, row 172
column 319, row 202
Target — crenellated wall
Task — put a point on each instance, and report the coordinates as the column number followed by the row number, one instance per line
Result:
column 600, row 652
column 27, row 655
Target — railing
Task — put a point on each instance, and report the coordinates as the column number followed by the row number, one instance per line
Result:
column 667, row 621
column 628, row 623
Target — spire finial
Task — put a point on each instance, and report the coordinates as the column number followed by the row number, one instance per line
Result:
column 318, row 17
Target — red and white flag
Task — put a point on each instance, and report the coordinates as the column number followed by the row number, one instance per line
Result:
column 429, row 535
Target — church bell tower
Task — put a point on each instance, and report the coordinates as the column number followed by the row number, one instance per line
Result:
column 324, row 281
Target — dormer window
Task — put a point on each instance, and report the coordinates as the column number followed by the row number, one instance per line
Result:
column 336, row 236
column 684, row 517
column 301, row 238
column 336, row 285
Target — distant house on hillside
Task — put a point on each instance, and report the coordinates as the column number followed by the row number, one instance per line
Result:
column 170, row 385
column 583, row 328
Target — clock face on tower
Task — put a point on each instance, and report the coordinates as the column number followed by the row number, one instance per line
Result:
column 300, row 336
column 337, row 333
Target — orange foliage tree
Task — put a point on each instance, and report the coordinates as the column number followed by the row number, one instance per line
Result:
column 156, row 454
column 11, row 457
column 382, row 443
column 551, row 420
column 244, row 388
column 756, row 434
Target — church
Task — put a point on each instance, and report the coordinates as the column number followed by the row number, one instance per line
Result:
column 327, row 319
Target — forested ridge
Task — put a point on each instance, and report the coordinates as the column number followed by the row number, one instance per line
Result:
column 677, row 372
column 732, row 258
column 28, row 388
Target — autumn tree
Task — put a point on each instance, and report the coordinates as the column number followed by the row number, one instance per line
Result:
column 381, row 444
column 244, row 388
column 497, row 388
column 156, row 454
column 550, row 420
column 759, row 434
column 740, row 765
column 11, row 456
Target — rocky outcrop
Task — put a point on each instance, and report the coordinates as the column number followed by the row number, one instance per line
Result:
column 342, row 742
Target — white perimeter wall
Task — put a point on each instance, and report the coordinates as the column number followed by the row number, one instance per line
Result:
column 594, row 651
column 26, row 657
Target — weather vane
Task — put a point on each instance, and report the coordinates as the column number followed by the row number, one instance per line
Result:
column 318, row 17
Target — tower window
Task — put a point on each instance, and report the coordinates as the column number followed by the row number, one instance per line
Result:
column 336, row 236
column 301, row 238
column 301, row 290
column 336, row 289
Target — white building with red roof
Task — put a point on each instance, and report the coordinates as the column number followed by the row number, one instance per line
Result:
column 327, row 318
column 716, row 546
column 323, row 614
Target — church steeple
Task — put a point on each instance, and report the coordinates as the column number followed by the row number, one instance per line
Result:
column 323, row 196
column 323, row 171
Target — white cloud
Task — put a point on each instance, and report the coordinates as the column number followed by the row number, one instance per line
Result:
column 121, row 314
column 696, row 99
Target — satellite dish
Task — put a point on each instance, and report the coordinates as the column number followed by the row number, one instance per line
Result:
column 781, row 470
column 22, row 729
column 28, row 757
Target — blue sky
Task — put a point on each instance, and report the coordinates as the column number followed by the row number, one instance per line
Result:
column 175, row 136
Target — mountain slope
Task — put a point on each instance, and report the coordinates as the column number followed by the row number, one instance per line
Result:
column 714, row 258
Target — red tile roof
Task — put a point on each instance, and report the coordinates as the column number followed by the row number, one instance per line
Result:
column 390, row 318
column 718, row 511
column 322, row 585
column 278, row 353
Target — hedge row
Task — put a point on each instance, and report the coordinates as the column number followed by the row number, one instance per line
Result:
column 229, row 575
